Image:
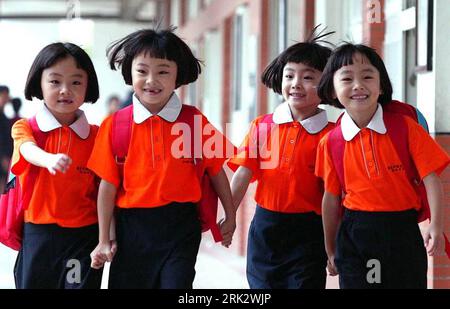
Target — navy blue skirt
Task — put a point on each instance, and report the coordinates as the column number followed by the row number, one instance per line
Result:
column 156, row 247
column 380, row 250
column 54, row 257
column 286, row 251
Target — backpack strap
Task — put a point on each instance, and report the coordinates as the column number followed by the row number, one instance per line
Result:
column 187, row 115
column 398, row 133
column 41, row 138
column 207, row 206
column 336, row 144
column 397, row 130
column 121, row 135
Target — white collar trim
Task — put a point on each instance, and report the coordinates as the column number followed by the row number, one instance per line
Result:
column 312, row 125
column 170, row 111
column 350, row 129
column 47, row 122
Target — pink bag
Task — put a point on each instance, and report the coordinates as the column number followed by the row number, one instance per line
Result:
column 13, row 201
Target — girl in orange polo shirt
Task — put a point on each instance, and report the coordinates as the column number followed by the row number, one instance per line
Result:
column 377, row 243
column 158, row 231
column 60, row 219
column 285, row 240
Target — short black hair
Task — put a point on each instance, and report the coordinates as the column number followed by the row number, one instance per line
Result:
column 162, row 44
column 342, row 56
column 4, row 88
column 310, row 53
column 53, row 53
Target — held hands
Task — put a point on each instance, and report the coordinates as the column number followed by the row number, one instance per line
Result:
column 331, row 267
column 227, row 227
column 433, row 239
column 104, row 252
column 59, row 162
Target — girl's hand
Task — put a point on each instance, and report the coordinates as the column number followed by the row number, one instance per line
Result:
column 433, row 239
column 227, row 228
column 58, row 162
column 104, row 252
column 331, row 267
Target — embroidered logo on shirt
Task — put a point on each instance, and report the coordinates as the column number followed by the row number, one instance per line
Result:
column 395, row 168
column 84, row 170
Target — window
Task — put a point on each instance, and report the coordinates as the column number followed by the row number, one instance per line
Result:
column 237, row 61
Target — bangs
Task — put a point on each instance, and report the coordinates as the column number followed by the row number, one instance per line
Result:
column 311, row 55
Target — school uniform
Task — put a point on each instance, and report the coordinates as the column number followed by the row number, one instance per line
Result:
column 158, row 231
column 61, row 219
column 285, row 241
column 380, row 217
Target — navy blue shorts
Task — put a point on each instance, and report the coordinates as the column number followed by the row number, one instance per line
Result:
column 286, row 251
column 156, row 247
column 381, row 250
column 54, row 257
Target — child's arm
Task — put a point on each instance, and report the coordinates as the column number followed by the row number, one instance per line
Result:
column 105, row 249
column 52, row 162
column 227, row 226
column 239, row 185
column 331, row 220
column 433, row 237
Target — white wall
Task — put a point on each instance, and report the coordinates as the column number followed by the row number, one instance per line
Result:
column 212, row 104
column 23, row 39
column 393, row 47
column 441, row 65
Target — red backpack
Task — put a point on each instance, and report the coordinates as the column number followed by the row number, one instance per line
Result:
column 398, row 133
column 15, row 199
column 207, row 206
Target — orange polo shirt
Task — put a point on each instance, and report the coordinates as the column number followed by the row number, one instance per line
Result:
column 69, row 199
column 153, row 175
column 374, row 177
column 284, row 166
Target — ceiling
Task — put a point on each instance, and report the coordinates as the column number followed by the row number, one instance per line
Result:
column 129, row 10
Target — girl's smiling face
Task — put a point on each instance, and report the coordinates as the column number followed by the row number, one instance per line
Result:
column 64, row 87
column 357, row 86
column 154, row 80
column 299, row 87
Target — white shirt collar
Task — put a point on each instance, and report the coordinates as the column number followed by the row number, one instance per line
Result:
column 169, row 112
column 47, row 122
column 312, row 125
column 350, row 129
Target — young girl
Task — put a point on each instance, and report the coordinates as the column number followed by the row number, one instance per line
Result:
column 378, row 243
column 60, row 220
column 158, row 231
column 285, row 241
